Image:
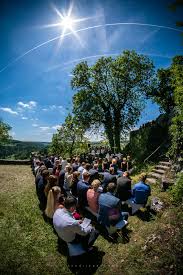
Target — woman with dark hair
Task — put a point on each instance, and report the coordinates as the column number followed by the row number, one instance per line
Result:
column 75, row 179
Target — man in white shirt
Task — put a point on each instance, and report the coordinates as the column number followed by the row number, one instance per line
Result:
column 71, row 230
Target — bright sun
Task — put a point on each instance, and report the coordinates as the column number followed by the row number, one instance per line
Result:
column 67, row 22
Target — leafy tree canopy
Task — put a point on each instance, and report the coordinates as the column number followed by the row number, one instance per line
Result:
column 112, row 92
column 69, row 139
column 176, row 128
column 4, row 132
column 164, row 90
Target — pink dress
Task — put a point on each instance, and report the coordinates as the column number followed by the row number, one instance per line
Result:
column 92, row 198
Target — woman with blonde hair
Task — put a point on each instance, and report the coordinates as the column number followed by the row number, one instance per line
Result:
column 52, row 201
column 93, row 196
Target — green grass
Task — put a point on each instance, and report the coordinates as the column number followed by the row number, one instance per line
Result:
column 28, row 244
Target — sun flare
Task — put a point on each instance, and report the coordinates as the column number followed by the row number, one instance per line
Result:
column 67, row 22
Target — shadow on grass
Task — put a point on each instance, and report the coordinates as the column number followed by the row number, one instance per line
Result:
column 87, row 263
column 147, row 215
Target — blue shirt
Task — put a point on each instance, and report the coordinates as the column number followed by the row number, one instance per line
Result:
column 141, row 191
column 106, row 202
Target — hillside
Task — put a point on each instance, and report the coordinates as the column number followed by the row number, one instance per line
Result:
column 29, row 245
column 22, row 149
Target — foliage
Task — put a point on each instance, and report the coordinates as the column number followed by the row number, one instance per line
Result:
column 168, row 93
column 22, row 149
column 176, row 129
column 177, row 190
column 163, row 91
column 4, row 132
column 112, row 92
column 174, row 6
column 69, row 139
column 148, row 138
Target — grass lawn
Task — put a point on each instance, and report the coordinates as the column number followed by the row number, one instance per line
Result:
column 28, row 244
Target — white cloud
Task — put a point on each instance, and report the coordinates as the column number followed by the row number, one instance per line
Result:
column 35, row 125
column 13, row 134
column 53, row 107
column 44, row 128
column 28, row 105
column 56, row 127
column 60, row 108
column 24, row 117
column 34, row 119
column 9, row 110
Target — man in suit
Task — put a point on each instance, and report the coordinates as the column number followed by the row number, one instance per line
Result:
column 82, row 188
column 124, row 187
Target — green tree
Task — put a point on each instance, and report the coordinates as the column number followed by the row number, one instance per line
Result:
column 174, row 7
column 111, row 93
column 169, row 95
column 4, row 132
column 163, row 93
column 69, row 139
column 176, row 129
column 164, row 90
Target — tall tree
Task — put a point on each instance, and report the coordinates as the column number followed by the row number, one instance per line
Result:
column 163, row 91
column 69, row 139
column 4, row 132
column 176, row 128
column 112, row 92
column 169, row 95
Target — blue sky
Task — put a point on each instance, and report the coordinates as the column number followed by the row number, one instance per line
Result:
column 35, row 88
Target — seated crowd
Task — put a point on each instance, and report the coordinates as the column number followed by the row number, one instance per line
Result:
column 66, row 188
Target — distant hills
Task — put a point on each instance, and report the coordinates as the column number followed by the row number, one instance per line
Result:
column 17, row 149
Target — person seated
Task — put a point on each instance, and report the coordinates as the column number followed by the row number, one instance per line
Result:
column 108, row 177
column 37, row 166
column 40, row 189
column 105, row 166
column 75, row 164
column 141, row 191
column 68, row 177
column 52, row 201
column 129, row 165
column 114, row 165
column 71, row 230
column 110, row 207
column 61, row 179
column 58, row 170
column 87, row 168
column 94, row 173
column 52, row 181
column 123, row 191
column 48, row 162
column 55, row 167
column 124, row 165
column 82, row 188
column 93, row 195
column 39, row 174
column 99, row 162
column 81, row 168
column 73, row 186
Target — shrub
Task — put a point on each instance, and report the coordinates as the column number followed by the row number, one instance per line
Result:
column 177, row 190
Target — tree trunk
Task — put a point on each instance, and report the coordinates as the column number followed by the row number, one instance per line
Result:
column 108, row 124
column 117, row 130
